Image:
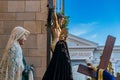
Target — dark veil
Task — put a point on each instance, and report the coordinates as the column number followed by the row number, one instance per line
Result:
column 60, row 64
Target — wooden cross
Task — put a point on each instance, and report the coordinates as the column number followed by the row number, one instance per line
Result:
column 104, row 59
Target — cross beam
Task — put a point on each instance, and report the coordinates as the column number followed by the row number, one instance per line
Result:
column 104, row 59
column 89, row 72
column 107, row 52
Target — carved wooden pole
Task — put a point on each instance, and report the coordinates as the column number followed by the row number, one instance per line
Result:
column 63, row 7
column 50, row 11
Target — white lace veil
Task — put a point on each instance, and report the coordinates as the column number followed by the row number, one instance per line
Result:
column 16, row 34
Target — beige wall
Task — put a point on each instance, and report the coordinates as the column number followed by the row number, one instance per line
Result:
column 32, row 14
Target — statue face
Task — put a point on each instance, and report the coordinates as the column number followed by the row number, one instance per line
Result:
column 62, row 20
column 22, row 40
column 62, row 37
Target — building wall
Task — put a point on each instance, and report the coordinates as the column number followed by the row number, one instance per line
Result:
column 32, row 14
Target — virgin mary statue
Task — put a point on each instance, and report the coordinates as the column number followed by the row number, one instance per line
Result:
column 13, row 63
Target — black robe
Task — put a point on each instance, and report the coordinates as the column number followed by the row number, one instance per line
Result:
column 60, row 64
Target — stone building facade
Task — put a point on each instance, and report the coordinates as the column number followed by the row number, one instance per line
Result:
column 31, row 14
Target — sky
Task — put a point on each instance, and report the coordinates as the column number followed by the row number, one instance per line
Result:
column 94, row 20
